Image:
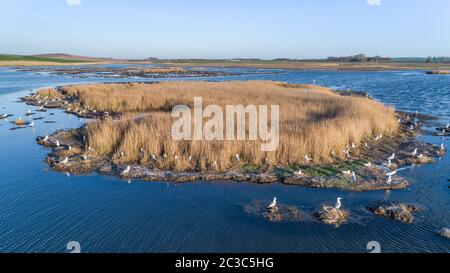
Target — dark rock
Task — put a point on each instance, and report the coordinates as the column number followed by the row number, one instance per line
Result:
column 396, row 211
column 445, row 232
column 279, row 213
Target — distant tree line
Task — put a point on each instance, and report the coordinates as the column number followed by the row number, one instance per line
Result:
column 437, row 59
column 359, row 58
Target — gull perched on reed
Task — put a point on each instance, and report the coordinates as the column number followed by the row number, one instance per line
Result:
column 238, row 158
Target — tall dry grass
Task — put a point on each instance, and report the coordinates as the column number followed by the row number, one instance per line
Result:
column 49, row 93
column 313, row 121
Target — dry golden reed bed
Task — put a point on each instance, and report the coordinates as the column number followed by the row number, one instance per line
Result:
column 313, row 121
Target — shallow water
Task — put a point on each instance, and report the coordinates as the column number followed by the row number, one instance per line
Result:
column 41, row 210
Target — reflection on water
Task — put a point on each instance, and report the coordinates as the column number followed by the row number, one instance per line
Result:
column 41, row 211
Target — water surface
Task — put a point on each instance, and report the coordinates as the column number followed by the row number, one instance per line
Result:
column 41, row 210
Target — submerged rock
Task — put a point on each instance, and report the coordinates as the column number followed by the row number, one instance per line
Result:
column 397, row 211
column 279, row 213
column 445, row 232
column 438, row 72
column 332, row 216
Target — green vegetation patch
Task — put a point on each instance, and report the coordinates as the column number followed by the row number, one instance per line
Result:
column 4, row 57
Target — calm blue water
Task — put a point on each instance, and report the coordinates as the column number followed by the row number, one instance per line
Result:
column 41, row 211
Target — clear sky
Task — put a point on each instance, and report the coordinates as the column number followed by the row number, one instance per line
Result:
column 226, row 28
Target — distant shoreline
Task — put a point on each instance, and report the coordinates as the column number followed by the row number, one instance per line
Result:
column 306, row 66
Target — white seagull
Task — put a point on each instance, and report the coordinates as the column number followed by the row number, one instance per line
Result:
column 347, row 172
column 392, row 157
column 298, row 173
column 273, row 204
column 238, row 157
column 57, row 143
column 338, row 203
column 307, row 158
column 127, row 170
column 447, row 126
column 354, row 176
column 389, row 175
column 415, row 152
column 65, row 161
column 32, row 124
column 46, row 138
column 442, row 147
column 368, row 164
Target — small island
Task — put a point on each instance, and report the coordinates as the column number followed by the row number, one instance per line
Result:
column 438, row 72
column 328, row 139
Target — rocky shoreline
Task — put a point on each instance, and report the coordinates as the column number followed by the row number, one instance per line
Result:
column 129, row 72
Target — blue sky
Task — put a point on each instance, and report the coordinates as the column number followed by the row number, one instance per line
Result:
column 226, row 28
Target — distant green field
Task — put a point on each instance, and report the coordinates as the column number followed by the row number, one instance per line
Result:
column 37, row 59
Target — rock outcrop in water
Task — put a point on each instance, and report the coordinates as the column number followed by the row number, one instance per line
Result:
column 438, row 72
column 332, row 216
column 397, row 211
column 445, row 232
column 279, row 213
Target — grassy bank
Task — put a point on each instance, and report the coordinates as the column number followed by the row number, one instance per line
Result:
column 19, row 60
column 314, row 121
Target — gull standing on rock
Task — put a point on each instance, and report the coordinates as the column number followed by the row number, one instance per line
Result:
column 338, row 203
column 389, row 181
column 392, row 157
column 65, row 161
column 347, row 172
column 273, row 204
column 354, row 176
column 127, row 170
column 415, row 152
column 368, row 164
